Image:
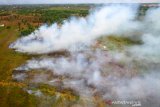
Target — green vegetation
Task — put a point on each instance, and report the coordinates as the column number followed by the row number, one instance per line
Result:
column 27, row 31
column 51, row 16
column 21, row 21
column 55, row 13
column 114, row 42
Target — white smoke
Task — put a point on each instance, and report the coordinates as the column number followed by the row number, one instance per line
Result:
column 90, row 73
column 105, row 21
column 130, row 75
column 150, row 37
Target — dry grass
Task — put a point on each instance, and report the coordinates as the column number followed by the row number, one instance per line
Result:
column 12, row 93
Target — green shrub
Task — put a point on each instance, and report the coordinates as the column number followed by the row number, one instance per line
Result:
column 26, row 32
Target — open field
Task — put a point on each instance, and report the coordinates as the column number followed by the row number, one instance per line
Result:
column 22, row 20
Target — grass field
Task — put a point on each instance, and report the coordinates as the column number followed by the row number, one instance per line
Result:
column 22, row 20
column 19, row 20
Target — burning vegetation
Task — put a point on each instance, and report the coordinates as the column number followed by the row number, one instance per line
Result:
column 110, row 54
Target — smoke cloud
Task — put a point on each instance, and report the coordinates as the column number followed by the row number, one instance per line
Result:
column 132, row 74
column 76, row 31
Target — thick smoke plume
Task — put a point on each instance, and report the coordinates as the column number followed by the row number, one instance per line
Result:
column 104, row 21
column 132, row 74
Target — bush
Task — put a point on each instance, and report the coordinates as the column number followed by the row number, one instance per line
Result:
column 26, row 32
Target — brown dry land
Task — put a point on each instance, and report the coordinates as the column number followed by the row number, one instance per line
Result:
column 22, row 20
